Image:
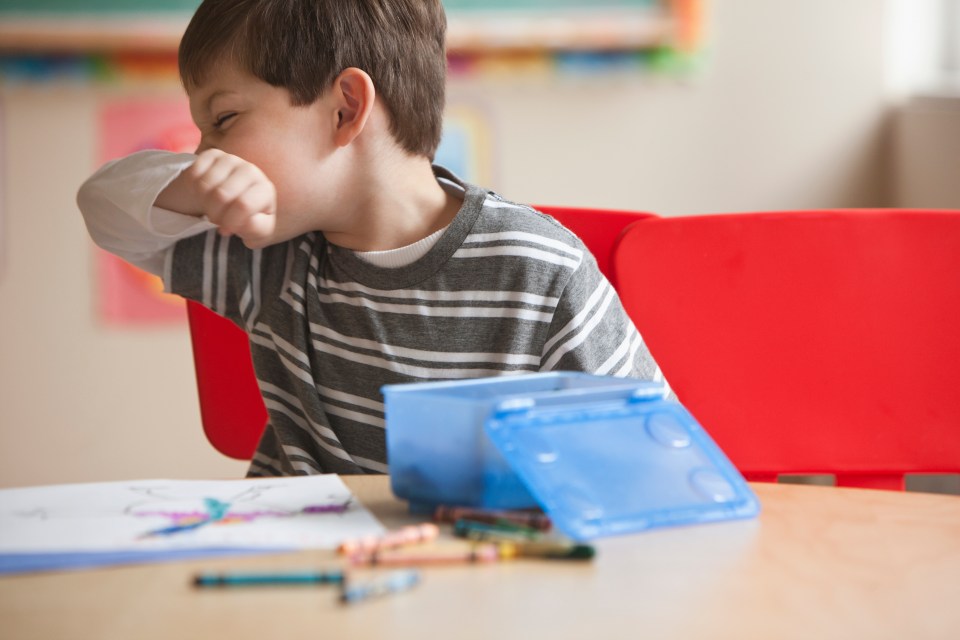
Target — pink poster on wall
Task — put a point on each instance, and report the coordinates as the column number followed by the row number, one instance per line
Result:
column 129, row 296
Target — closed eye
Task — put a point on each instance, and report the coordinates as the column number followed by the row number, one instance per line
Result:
column 220, row 121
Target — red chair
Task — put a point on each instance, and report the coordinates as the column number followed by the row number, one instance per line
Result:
column 599, row 229
column 231, row 409
column 808, row 342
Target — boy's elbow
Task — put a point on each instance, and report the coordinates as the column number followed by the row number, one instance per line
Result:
column 106, row 226
column 91, row 197
column 87, row 196
column 92, row 201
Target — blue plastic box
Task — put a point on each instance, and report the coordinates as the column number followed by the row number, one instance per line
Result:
column 600, row 455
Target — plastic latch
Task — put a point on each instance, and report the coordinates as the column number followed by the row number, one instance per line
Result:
column 648, row 393
column 514, row 405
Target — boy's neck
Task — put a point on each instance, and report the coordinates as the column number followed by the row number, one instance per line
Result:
column 400, row 202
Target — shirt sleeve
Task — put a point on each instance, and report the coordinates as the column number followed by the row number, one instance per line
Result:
column 224, row 275
column 117, row 207
column 591, row 331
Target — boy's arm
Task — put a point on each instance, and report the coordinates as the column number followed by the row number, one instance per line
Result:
column 139, row 206
column 591, row 331
column 120, row 205
column 232, row 193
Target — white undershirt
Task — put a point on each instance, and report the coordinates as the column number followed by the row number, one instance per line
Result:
column 402, row 256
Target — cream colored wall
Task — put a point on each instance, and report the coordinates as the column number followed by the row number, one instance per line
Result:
column 788, row 113
column 927, row 152
column 79, row 402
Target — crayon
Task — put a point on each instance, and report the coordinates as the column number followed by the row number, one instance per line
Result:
column 342, row 507
column 481, row 553
column 393, row 583
column 267, row 579
column 548, row 550
column 413, row 534
column 482, row 531
column 478, row 554
column 531, row 519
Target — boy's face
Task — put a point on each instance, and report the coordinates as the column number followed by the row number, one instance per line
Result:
column 246, row 117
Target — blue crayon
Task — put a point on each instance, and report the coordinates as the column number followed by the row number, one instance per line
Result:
column 268, row 579
column 393, row 583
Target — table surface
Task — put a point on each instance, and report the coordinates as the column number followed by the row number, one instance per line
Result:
column 819, row 562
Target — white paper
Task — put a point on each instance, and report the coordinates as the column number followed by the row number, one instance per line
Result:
column 149, row 515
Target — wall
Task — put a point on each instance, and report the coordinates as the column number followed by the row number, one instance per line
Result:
column 927, row 152
column 79, row 402
column 788, row 113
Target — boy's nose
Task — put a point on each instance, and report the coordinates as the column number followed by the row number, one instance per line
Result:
column 204, row 145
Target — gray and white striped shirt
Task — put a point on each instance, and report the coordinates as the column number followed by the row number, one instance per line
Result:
column 504, row 290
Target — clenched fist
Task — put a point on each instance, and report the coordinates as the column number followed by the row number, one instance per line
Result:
column 232, row 193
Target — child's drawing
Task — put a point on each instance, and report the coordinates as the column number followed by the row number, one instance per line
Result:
column 305, row 512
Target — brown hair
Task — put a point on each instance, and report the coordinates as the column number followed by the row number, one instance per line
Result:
column 302, row 45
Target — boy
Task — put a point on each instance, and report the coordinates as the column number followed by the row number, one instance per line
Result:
column 311, row 216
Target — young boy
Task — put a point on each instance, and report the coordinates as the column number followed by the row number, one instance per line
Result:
column 311, row 216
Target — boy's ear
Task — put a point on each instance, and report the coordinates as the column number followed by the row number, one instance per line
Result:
column 355, row 96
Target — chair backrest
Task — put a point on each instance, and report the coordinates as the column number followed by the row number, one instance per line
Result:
column 231, row 408
column 808, row 342
column 599, row 229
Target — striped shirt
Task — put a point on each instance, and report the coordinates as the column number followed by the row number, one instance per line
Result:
column 503, row 290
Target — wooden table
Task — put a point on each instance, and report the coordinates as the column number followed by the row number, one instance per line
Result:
column 819, row 563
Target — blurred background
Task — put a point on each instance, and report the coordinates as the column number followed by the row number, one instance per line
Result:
column 677, row 107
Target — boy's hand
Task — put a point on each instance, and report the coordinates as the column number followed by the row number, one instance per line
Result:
column 234, row 194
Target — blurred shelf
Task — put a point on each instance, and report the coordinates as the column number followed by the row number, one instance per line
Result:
column 143, row 34
column 474, row 32
column 575, row 30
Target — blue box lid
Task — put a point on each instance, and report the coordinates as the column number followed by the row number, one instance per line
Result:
column 619, row 466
